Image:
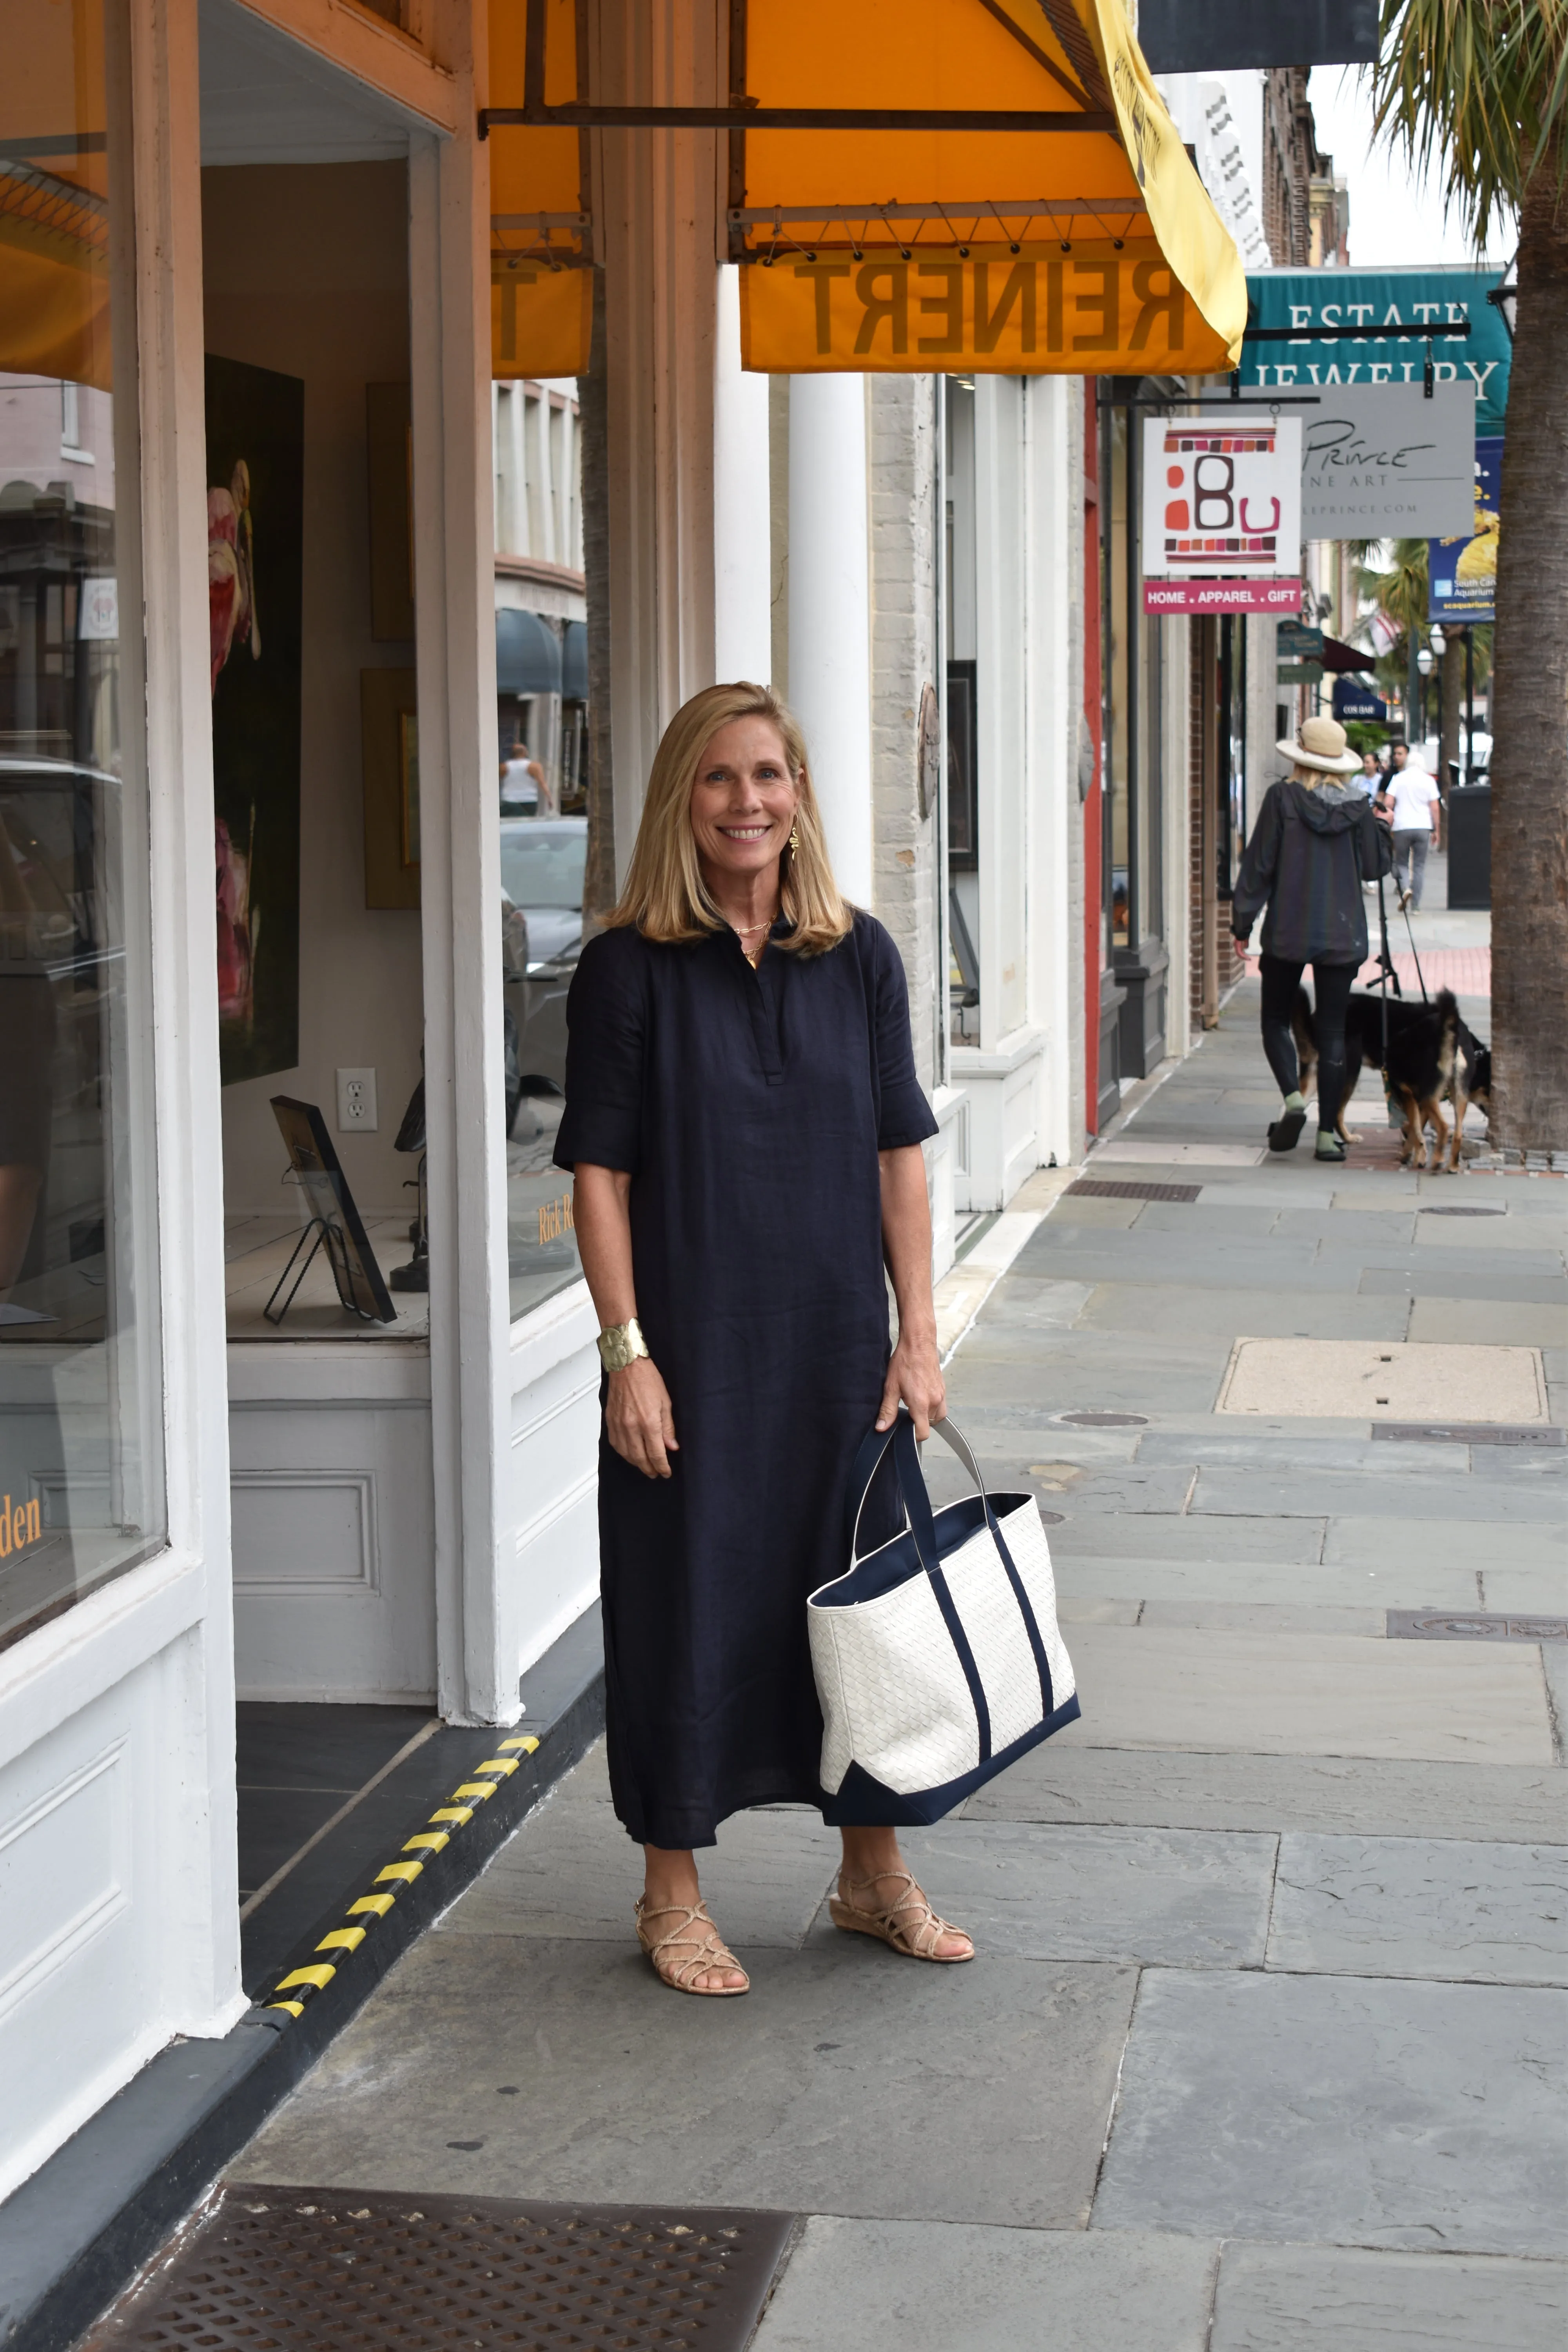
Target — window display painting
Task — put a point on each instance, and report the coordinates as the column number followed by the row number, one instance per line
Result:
column 256, row 505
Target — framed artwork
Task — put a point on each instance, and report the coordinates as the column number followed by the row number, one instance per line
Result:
column 389, row 746
column 256, row 525
column 331, row 1215
column 389, row 441
column 963, row 781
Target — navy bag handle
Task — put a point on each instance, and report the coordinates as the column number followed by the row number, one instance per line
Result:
column 918, row 1515
column 910, row 1482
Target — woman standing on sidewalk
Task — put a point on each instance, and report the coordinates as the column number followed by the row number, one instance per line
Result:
column 744, row 1125
column 1315, row 842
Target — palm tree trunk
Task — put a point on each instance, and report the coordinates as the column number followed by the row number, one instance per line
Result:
column 1529, row 702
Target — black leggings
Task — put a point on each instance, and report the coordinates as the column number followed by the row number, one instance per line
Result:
column 1331, row 987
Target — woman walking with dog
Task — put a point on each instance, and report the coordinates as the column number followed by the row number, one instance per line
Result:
column 1315, row 843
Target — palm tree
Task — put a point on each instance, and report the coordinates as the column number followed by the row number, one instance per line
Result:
column 1400, row 591
column 1478, row 89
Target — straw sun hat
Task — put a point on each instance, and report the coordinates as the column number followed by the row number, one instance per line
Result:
column 1320, row 744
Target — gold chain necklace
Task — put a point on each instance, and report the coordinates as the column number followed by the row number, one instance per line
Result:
column 750, row 931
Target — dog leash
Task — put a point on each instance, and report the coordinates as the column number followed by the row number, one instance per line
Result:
column 1415, row 956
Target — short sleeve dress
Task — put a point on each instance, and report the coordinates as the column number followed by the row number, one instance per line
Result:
column 749, row 1108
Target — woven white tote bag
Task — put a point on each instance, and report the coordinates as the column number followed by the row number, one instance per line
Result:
column 937, row 1657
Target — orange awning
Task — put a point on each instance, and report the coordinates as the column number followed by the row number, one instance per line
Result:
column 921, row 184
column 53, row 208
column 1082, row 252
column 541, row 288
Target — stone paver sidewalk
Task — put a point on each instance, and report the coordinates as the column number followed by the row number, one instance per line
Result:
column 1264, row 2048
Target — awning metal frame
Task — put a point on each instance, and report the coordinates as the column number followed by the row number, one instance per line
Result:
column 743, row 113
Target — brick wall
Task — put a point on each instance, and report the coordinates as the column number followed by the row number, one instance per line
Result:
column 902, row 467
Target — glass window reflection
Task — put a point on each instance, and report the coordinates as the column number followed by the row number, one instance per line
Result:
column 81, row 1470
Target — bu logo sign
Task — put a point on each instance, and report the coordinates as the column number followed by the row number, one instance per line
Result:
column 1220, row 501
column 19, row 1525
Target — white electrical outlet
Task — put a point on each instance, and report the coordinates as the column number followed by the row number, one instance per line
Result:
column 356, row 1102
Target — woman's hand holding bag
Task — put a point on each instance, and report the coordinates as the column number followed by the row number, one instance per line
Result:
column 938, row 1658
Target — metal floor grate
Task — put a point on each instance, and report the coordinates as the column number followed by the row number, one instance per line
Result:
column 1472, row 1625
column 1102, row 1187
column 298, row 2270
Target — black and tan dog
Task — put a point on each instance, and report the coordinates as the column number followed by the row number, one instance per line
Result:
column 1436, row 1062
column 1433, row 1058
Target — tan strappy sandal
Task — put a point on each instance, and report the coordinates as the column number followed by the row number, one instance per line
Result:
column 910, row 1925
column 706, row 1951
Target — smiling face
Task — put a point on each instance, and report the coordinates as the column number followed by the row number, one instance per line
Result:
column 743, row 802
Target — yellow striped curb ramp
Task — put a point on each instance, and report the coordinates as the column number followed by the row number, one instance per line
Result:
column 294, row 1992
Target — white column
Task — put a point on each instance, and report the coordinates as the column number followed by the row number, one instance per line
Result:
column 743, row 584
column 830, row 612
column 480, row 1605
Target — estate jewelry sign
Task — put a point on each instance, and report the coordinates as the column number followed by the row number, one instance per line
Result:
column 1383, row 461
column 1222, row 514
column 1400, row 311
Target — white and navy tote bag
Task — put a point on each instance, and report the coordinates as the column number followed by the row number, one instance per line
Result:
column 937, row 1657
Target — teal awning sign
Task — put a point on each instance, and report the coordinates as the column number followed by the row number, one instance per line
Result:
column 1402, row 308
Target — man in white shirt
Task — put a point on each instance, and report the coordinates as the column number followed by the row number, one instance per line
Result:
column 1416, row 812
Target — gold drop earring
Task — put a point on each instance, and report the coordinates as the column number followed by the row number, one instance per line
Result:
column 793, row 839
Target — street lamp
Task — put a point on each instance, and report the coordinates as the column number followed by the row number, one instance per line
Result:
column 1504, row 300
column 1436, row 640
column 1424, row 663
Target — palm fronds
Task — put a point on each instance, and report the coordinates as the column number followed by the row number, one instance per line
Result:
column 1479, row 90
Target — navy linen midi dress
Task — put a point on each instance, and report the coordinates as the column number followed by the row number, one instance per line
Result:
column 748, row 1107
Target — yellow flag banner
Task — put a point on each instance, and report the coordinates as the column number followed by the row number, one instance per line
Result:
column 541, row 319
column 1096, row 310
column 1189, row 231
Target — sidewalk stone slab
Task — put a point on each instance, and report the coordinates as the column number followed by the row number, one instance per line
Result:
column 1333, row 1315
column 1518, row 1285
column 1475, row 1322
column 1262, row 1448
column 1091, row 1211
column 1346, row 1227
column 1444, row 1234
column 854, row 2286
column 1263, row 1617
column 821, row 2089
column 1437, row 1908
column 1333, row 1795
column 1354, row 1540
column 1178, row 1898
column 571, row 1871
column 1528, row 1590
column 1291, row 1543
column 1079, row 1372
column 1415, row 2115
column 1342, row 2299
column 1187, row 1584
column 1226, row 1492
column 1038, row 1304
column 1316, row 1695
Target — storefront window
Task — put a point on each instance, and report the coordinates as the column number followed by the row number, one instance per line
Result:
column 542, row 682
column 80, row 1468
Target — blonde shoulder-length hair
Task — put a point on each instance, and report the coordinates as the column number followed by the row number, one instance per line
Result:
column 665, row 896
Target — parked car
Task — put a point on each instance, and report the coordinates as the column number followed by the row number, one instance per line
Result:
column 542, row 861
